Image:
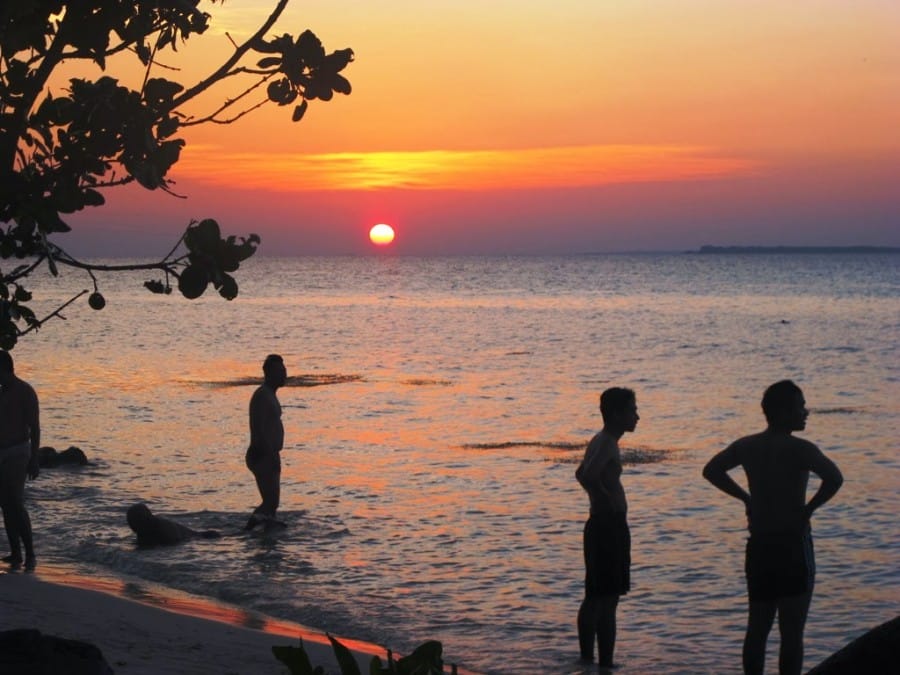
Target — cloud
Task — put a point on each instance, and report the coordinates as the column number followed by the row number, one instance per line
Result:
column 470, row 170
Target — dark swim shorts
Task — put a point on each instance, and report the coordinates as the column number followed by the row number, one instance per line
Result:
column 258, row 462
column 779, row 565
column 607, row 555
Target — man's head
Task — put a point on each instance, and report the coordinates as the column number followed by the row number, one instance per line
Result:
column 274, row 371
column 784, row 406
column 138, row 516
column 618, row 406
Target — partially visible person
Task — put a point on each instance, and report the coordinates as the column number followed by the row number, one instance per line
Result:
column 20, row 438
column 153, row 530
column 607, row 540
column 49, row 457
column 263, row 457
column 779, row 565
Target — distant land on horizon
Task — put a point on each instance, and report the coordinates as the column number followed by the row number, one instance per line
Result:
column 708, row 249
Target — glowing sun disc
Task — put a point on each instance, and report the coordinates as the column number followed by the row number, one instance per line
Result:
column 381, row 234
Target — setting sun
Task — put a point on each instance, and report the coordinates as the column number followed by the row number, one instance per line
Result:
column 381, row 234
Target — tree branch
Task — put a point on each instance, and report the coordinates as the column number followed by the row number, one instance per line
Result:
column 35, row 85
column 23, row 271
column 55, row 313
column 224, row 69
column 230, row 102
column 162, row 265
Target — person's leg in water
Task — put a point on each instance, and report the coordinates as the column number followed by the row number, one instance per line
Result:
column 15, row 517
column 606, row 630
column 268, row 482
column 12, row 535
column 606, row 556
column 792, row 613
column 597, row 620
column 590, row 606
column 587, row 626
column 759, row 623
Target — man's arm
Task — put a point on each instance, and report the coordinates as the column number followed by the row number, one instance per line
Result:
column 592, row 465
column 33, row 419
column 830, row 475
column 590, row 472
column 716, row 472
column 259, row 421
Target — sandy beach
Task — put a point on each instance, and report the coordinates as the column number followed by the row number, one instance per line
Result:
column 144, row 633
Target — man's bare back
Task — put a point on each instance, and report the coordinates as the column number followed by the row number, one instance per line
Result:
column 18, row 412
column 777, row 466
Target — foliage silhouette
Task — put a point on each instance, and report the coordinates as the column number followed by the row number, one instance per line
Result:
column 59, row 152
column 426, row 659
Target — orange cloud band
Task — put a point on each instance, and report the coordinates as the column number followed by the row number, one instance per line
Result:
column 459, row 169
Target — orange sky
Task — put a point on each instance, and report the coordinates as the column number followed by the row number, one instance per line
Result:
column 564, row 126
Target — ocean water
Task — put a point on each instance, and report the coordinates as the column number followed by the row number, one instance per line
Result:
column 432, row 433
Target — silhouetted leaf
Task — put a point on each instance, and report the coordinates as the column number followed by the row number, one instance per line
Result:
column 159, row 90
column 228, row 289
column 144, row 173
column 310, row 49
column 167, row 155
column 193, row 282
column 299, row 111
column 203, row 237
column 281, row 92
column 156, row 286
column 143, row 52
column 269, row 62
column 296, row 659
column 425, row 659
column 344, row 657
column 340, row 84
column 167, row 127
column 93, row 198
column 338, row 60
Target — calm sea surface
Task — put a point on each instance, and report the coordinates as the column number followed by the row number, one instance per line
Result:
column 428, row 473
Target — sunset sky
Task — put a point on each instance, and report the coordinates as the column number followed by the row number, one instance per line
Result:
column 548, row 127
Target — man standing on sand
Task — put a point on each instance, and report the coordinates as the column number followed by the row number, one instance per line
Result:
column 266, row 440
column 607, row 540
column 780, row 567
column 20, row 438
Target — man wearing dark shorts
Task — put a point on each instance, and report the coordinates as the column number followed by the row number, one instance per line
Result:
column 779, row 563
column 607, row 541
column 20, row 439
column 263, row 456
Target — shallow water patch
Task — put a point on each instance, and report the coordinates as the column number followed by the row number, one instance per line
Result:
column 425, row 382
column 307, row 380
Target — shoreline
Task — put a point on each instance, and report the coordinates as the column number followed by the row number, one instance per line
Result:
column 143, row 629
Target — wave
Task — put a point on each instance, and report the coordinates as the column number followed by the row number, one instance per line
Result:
column 424, row 382
column 315, row 380
column 504, row 445
column 628, row 455
column 638, row 455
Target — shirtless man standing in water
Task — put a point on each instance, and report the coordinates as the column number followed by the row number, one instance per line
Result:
column 780, row 567
column 20, row 438
column 266, row 440
column 607, row 541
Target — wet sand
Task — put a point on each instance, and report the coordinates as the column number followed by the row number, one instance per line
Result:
column 141, row 632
